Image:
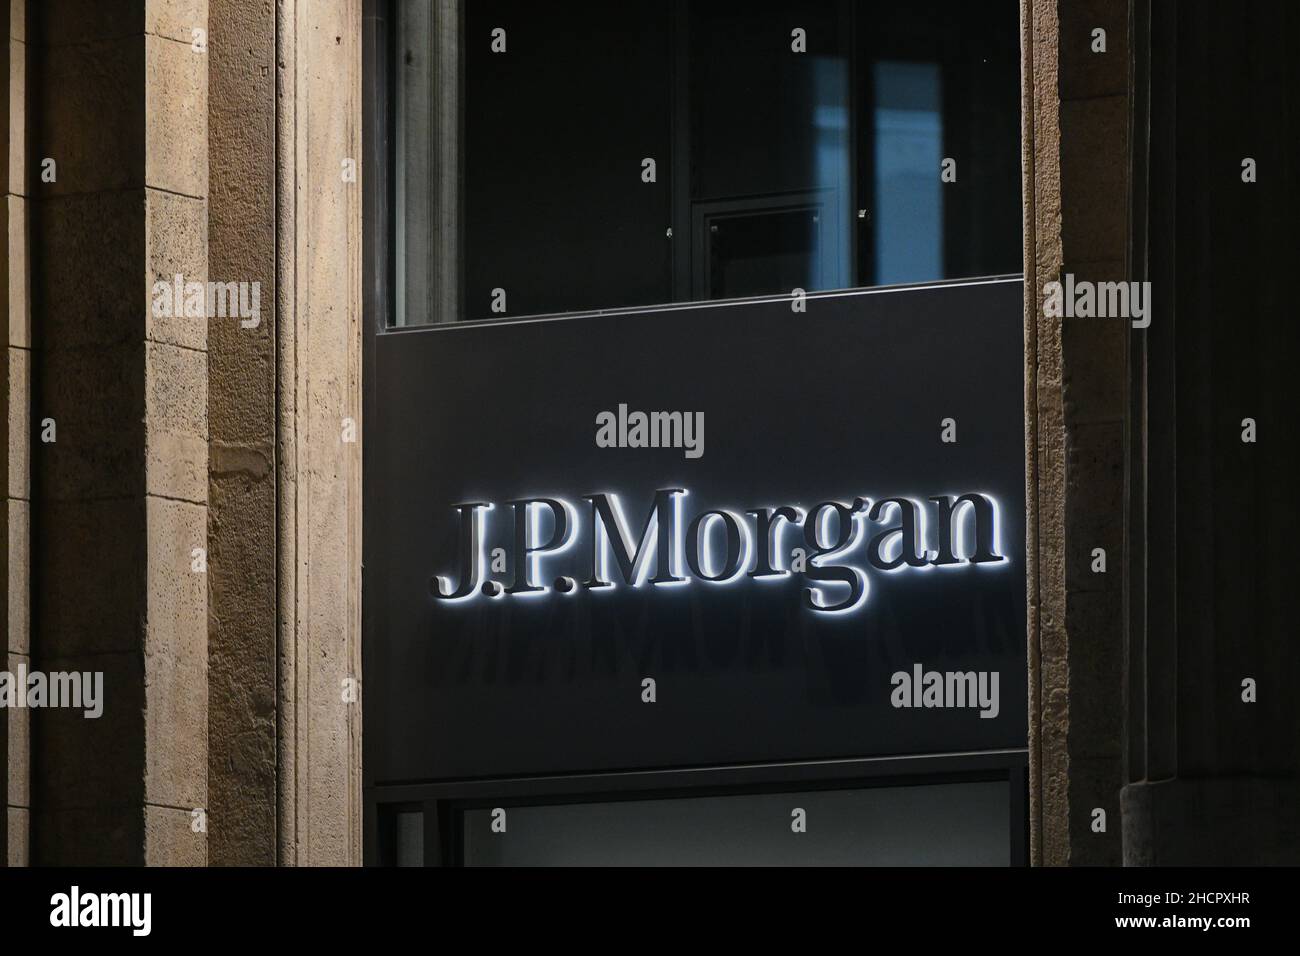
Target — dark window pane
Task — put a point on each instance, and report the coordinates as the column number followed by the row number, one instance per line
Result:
column 794, row 143
column 556, row 128
column 952, row 824
column 763, row 252
column 409, row 838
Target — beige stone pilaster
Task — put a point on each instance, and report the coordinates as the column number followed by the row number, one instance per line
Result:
column 1075, row 162
column 242, row 422
column 318, row 299
column 1094, row 177
column 1045, row 441
column 120, row 497
column 15, row 519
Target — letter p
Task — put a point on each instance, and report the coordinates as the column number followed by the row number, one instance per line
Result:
column 542, row 526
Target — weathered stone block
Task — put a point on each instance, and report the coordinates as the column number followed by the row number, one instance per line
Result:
column 16, row 119
column 176, row 117
column 62, row 837
column 80, row 21
column 1096, row 675
column 95, row 128
column 17, row 390
column 177, row 396
column 92, row 762
column 1095, row 390
column 19, row 854
column 93, row 279
column 18, row 19
column 1084, row 73
column 176, row 656
column 91, row 557
column 1094, row 509
column 176, row 425
column 176, row 19
column 17, row 744
column 18, row 574
column 169, row 839
column 17, row 277
column 241, row 369
column 1095, row 784
column 176, row 244
column 1094, row 179
column 96, row 400
column 242, row 671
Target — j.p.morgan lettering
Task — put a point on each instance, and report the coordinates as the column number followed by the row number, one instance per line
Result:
column 834, row 547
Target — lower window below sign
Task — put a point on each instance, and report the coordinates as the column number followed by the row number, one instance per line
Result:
column 941, row 824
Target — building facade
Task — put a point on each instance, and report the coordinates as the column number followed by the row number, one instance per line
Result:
column 205, row 503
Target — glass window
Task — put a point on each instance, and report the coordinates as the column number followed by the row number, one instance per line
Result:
column 409, row 838
column 575, row 156
column 948, row 824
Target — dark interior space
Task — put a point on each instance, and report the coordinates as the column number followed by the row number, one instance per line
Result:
column 795, row 145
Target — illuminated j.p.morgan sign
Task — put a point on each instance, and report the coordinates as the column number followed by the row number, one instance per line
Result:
column 834, row 544
column 537, row 549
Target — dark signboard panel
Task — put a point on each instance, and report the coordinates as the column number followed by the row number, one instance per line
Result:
column 823, row 439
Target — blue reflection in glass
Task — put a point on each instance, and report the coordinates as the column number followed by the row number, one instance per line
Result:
column 831, row 152
column 909, row 143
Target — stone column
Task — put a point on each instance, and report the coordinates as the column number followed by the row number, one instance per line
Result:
column 1076, row 200
column 15, row 518
column 242, row 611
column 318, row 300
column 285, row 469
column 1094, row 91
column 1044, row 440
column 1214, row 720
column 120, row 491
